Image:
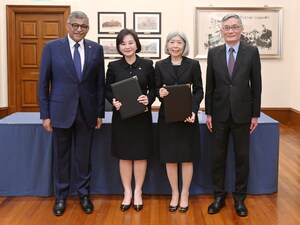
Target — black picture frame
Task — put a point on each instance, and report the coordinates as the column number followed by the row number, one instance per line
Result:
column 147, row 22
column 111, row 22
column 151, row 47
column 109, row 47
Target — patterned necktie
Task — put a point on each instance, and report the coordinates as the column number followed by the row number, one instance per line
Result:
column 77, row 60
column 230, row 61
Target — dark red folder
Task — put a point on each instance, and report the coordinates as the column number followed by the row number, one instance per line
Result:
column 178, row 103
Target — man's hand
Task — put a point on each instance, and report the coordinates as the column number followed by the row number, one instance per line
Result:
column 253, row 125
column 47, row 125
column 209, row 122
column 99, row 123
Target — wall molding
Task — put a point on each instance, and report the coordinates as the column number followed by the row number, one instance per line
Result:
column 295, row 117
column 284, row 115
column 3, row 112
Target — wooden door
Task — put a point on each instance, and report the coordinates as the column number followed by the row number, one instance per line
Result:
column 28, row 29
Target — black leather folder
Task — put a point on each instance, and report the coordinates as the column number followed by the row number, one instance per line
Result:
column 127, row 92
column 178, row 103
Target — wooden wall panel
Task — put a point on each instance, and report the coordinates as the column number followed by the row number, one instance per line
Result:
column 280, row 114
column 295, row 118
column 3, row 112
column 29, row 93
column 28, row 29
column 29, row 55
column 51, row 29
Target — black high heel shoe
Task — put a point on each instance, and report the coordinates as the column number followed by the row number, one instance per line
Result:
column 183, row 209
column 173, row 208
column 138, row 207
column 124, row 207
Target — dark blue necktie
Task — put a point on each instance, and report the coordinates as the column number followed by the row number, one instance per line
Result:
column 230, row 61
column 77, row 60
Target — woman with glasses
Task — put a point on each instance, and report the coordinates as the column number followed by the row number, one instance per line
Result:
column 179, row 142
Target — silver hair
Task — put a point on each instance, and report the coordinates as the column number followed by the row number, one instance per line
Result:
column 78, row 15
column 228, row 16
column 183, row 37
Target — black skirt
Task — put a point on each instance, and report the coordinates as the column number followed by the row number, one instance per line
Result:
column 132, row 138
column 178, row 141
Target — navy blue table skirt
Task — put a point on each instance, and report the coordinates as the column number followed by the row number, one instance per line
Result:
column 26, row 160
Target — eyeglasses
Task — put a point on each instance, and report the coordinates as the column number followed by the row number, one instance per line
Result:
column 233, row 28
column 75, row 26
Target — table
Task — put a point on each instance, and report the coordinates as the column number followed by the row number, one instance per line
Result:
column 26, row 160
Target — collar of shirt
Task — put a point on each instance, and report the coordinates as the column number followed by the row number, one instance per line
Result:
column 80, row 49
column 236, row 48
column 133, row 65
column 72, row 43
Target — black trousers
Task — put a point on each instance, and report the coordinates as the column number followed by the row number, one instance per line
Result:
column 79, row 135
column 241, row 135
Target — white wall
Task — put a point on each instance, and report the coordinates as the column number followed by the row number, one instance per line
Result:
column 280, row 76
column 293, row 38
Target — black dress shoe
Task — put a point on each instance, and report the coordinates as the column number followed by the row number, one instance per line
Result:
column 59, row 207
column 86, row 204
column 217, row 205
column 183, row 209
column 240, row 208
column 138, row 207
column 124, row 207
column 173, row 208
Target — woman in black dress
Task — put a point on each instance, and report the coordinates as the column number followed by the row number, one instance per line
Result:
column 132, row 138
column 179, row 142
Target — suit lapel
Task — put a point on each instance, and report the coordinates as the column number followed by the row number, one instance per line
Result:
column 88, row 55
column 65, row 50
column 184, row 66
column 239, row 59
column 223, row 61
column 169, row 68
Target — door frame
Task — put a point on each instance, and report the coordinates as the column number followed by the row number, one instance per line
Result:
column 11, row 11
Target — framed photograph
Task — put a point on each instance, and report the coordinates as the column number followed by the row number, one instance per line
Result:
column 147, row 22
column 111, row 22
column 262, row 28
column 109, row 47
column 150, row 48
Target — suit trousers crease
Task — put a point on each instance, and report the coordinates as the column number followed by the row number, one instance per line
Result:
column 241, row 138
column 72, row 149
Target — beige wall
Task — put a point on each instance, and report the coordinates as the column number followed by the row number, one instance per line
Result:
column 295, row 58
column 281, row 77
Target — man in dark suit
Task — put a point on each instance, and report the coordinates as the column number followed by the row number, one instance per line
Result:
column 71, row 99
column 232, row 105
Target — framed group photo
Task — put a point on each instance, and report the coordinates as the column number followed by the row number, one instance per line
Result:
column 151, row 47
column 262, row 28
column 111, row 22
column 109, row 47
column 147, row 22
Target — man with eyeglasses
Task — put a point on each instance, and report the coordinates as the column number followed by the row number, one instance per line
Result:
column 232, row 105
column 71, row 99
